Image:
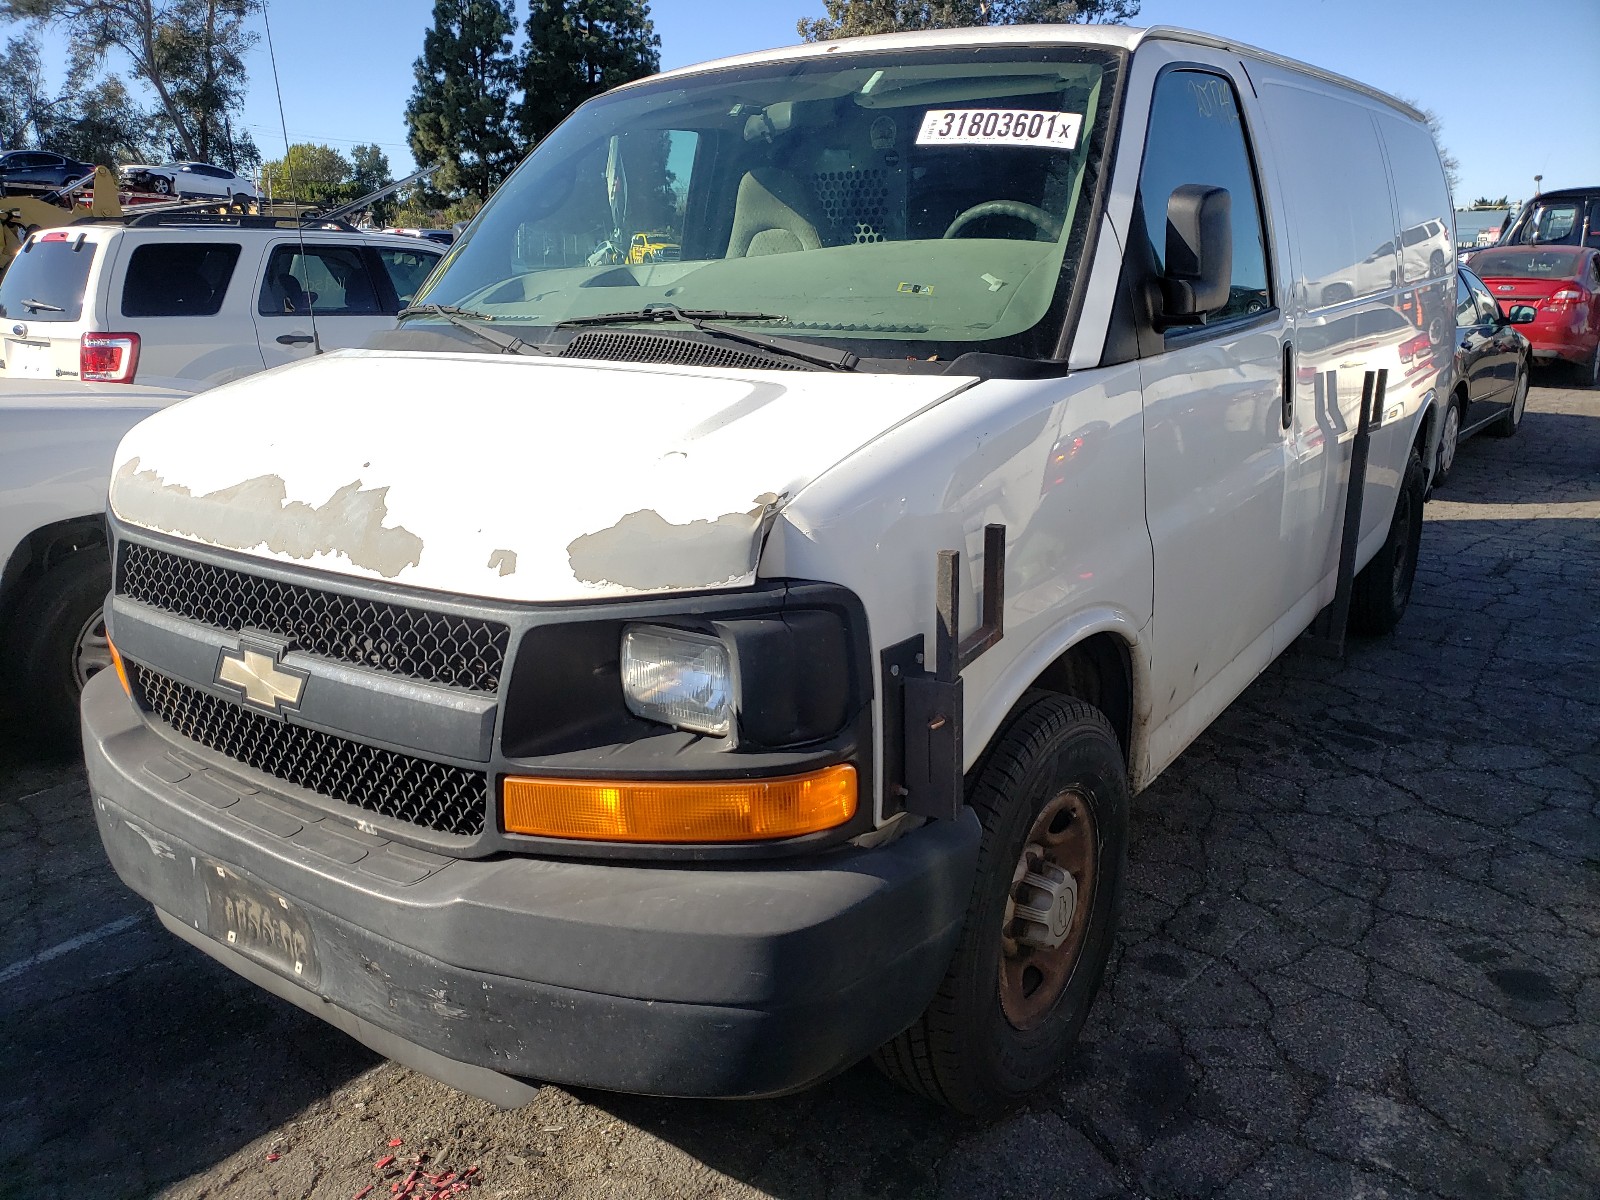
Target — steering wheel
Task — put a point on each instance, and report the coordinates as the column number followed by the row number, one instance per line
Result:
column 1045, row 223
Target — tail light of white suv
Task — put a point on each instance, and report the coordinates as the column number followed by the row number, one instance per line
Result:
column 109, row 357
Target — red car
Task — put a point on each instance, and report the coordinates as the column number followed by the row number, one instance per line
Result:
column 1562, row 284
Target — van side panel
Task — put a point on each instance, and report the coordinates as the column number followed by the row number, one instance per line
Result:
column 1058, row 462
column 1368, row 293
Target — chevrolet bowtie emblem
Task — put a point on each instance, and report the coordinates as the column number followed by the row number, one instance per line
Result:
column 264, row 683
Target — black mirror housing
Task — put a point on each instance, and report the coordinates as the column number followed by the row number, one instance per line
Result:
column 1199, row 262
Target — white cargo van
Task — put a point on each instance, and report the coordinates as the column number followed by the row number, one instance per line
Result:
column 691, row 675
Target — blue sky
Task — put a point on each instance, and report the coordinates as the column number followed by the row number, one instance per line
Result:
column 1518, row 94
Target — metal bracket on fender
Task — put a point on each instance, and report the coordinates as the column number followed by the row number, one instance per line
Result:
column 1327, row 632
column 922, row 710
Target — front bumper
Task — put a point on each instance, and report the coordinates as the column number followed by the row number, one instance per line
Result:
column 705, row 979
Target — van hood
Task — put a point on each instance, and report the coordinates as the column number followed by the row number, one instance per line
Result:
column 509, row 478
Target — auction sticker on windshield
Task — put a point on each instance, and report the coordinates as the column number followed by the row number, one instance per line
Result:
column 999, row 127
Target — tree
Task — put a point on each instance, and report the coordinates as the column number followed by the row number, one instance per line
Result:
column 190, row 53
column 103, row 125
column 93, row 120
column 369, row 171
column 578, row 49
column 27, row 114
column 853, row 18
column 308, row 173
column 459, row 114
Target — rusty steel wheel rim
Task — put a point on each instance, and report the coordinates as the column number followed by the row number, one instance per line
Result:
column 1033, row 976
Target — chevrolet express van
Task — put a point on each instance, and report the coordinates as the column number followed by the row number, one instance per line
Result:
column 691, row 675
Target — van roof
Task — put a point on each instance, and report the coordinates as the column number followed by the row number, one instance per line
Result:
column 1118, row 37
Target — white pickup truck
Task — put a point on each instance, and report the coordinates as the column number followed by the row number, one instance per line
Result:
column 57, row 438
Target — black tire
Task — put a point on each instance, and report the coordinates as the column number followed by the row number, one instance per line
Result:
column 1588, row 374
column 965, row 1051
column 1449, row 442
column 44, row 639
column 1383, row 588
column 1508, row 425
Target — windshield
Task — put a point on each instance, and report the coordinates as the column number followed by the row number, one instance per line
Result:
column 1556, row 222
column 907, row 204
column 45, row 282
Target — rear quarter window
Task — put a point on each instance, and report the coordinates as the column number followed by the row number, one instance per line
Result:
column 46, row 281
column 178, row 279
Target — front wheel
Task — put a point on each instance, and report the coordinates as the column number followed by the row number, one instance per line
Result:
column 1449, row 443
column 1507, row 425
column 1383, row 588
column 1053, row 800
column 162, row 187
column 57, row 642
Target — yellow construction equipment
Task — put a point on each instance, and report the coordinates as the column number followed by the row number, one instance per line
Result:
column 20, row 215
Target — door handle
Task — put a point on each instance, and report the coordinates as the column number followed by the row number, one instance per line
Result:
column 294, row 339
column 1288, row 384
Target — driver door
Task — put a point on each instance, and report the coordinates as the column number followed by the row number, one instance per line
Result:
column 1214, row 434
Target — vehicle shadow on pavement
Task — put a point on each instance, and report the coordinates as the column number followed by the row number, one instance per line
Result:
column 1543, row 479
column 129, row 1059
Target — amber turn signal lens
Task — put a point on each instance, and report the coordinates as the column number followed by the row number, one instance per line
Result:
column 730, row 810
column 122, row 671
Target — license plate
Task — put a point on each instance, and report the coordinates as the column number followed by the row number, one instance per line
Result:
column 32, row 359
column 260, row 924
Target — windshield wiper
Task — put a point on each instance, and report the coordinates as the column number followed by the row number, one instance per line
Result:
column 702, row 318
column 41, row 305
column 465, row 318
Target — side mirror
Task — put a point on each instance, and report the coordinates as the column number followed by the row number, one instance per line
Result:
column 1521, row 314
column 1199, row 253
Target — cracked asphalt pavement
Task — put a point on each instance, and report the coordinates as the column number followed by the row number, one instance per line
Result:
column 1360, row 957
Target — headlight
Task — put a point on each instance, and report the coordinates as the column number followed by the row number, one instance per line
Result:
column 678, row 678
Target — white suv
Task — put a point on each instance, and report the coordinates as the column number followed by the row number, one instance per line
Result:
column 190, row 300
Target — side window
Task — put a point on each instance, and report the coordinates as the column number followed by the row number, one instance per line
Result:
column 1427, row 220
column 1197, row 135
column 330, row 280
column 407, row 269
column 1488, row 308
column 1466, row 306
column 1337, row 191
column 178, row 279
column 1557, row 223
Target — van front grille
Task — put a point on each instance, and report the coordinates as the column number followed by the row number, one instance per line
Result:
column 434, row 795
column 435, row 647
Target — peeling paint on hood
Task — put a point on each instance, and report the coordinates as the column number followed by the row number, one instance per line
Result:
column 258, row 513
column 508, row 478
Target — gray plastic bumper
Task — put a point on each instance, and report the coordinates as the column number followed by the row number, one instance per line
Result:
column 688, row 979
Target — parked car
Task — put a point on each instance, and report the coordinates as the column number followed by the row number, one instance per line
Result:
column 1492, row 364
column 580, row 684
column 193, row 300
column 57, row 439
column 1564, row 217
column 189, row 179
column 1562, row 285
column 38, row 169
